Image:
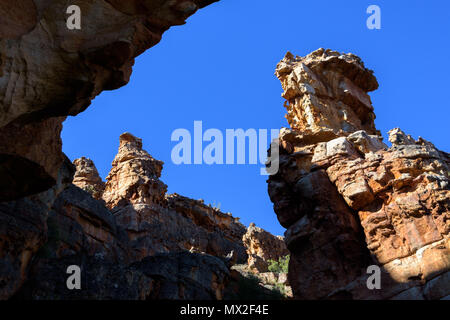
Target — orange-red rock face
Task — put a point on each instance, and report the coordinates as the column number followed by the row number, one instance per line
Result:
column 347, row 200
column 326, row 94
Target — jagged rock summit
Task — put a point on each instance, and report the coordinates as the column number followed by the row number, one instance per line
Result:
column 262, row 247
column 347, row 200
column 158, row 222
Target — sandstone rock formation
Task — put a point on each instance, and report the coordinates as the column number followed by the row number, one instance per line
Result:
column 262, row 246
column 157, row 222
column 148, row 246
column 30, row 157
column 134, row 177
column 87, row 178
column 81, row 231
column 48, row 72
column 23, row 231
column 185, row 275
column 172, row 276
column 245, row 284
column 347, row 200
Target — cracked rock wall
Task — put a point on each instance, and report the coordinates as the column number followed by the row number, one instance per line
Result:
column 347, row 200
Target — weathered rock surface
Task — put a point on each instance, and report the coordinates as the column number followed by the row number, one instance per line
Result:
column 157, row 222
column 245, row 284
column 185, row 275
column 68, row 68
column 130, row 239
column 262, row 246
column 326, row 94
column 48, row 72
column 30, row 157
column 87, row 178
column 134, row 177
column 118, row 231
column 23, row 231
column 347, row 200
column 83, row 232
column 182, row 275
column 78, row 223
column 100, row 280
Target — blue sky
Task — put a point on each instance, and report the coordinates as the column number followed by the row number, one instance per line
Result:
column 219, row 68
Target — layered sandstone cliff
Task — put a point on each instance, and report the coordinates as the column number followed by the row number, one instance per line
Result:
column 347, row 200
column 48, row 72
